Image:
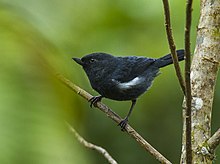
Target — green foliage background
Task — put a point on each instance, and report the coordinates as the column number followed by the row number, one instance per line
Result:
column 40, row 37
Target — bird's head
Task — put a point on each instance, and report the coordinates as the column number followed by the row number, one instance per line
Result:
column 95, row 62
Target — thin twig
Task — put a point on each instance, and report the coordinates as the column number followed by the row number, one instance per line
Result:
column 115, row 118
column 188, row 82
column 172, row 44
column 92, row 146
column 214, row 141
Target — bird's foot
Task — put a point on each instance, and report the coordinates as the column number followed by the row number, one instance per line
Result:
column 123, row 124
column 93, row 101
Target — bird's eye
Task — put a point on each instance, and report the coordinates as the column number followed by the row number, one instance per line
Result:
column 92, row 60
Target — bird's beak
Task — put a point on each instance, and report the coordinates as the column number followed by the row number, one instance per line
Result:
column 78, row 60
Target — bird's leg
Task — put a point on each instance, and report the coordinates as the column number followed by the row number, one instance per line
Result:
column 94, row 100
column 124, row 122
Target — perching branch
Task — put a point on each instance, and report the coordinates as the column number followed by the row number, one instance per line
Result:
column 115, row 118
column 214, row 141
column 188, row 96
column 92, row 146
column 172, row 44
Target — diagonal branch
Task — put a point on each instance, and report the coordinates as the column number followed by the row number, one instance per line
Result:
column 92, row 146
column 172, row 44
column 214, row 141
column 115, row 118
column 188, row 82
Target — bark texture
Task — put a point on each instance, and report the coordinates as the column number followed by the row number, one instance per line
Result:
column 204, row 72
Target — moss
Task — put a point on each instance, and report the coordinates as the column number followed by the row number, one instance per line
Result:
column 215, row 32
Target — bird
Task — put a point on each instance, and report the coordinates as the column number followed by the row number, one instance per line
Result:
column 122, row 78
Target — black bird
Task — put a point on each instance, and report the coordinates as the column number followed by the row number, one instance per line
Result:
column 122, row 78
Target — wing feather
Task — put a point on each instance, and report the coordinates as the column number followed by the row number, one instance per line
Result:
column 131, row 68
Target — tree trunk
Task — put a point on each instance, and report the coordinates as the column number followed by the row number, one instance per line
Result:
column 204, row 72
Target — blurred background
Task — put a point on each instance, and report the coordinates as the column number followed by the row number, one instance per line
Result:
column 40, row 37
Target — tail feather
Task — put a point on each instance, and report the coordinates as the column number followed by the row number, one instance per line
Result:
column 167, row 59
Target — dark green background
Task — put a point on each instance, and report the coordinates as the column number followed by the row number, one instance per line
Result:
column 39, row 37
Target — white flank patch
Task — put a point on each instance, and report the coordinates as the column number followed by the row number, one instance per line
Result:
column 129, row 84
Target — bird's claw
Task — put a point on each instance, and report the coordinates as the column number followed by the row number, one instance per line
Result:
column 93, row 101
column 123, row 124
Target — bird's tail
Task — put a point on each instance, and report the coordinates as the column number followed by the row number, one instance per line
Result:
column 167, row 59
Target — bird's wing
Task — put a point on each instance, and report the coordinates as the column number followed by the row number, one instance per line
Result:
column 130, row 68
